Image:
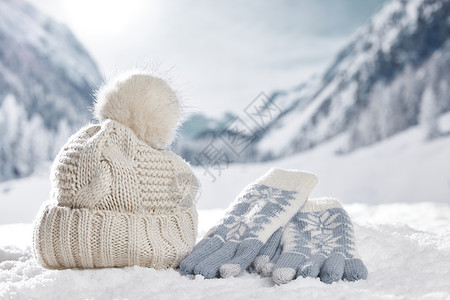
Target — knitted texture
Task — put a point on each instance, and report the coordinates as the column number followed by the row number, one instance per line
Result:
column 115, row 202
column 318, row 242
column 262, row 208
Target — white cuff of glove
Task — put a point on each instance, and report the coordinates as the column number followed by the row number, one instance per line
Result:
column 291, row 180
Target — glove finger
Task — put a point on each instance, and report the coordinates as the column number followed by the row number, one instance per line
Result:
column 312, row 266
column 204, row 248
column 286, row 267
column 333, row 268
column 354, row 269
column 268, row 250
column 209, row 266
column 245, row 254
column 266, row 270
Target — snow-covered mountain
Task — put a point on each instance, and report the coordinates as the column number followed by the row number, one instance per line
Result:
column 378, row 83
column 393, row 74
column 46, row 81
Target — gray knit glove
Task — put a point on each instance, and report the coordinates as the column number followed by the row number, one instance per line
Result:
column 261, row 209
column 317, row 242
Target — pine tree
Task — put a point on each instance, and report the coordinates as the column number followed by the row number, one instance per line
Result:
column 24, row 141
column 429, row 112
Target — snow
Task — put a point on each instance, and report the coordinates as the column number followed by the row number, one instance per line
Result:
column 20, row 199
column 397, row 193
column 403, row 14
column 403, row 263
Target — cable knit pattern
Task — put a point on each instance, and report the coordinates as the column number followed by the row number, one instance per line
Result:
column 116, row 202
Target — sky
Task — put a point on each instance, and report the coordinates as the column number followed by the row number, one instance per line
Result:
column 219, row 54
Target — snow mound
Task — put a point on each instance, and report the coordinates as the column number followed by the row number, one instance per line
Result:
column 403, row 263
column 13, row 254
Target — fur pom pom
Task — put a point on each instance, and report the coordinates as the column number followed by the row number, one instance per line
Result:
column 144, row 103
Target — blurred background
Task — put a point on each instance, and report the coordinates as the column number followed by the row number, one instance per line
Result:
column 355, row 91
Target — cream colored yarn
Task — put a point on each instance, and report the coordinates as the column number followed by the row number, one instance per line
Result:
column 116, row 202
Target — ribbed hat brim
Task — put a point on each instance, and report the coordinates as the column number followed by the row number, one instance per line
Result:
column 81, row 238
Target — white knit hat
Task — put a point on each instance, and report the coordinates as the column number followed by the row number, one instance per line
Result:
column 118, row 200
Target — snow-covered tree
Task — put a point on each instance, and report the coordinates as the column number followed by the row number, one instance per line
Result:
column 11, row 115
column 24, row 141
column 429, row 112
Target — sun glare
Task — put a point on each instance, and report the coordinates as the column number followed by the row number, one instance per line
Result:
column 108, row 18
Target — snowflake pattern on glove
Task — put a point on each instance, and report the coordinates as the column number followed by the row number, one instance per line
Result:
column 255, row 208
column 317, row 242
column 322, row 232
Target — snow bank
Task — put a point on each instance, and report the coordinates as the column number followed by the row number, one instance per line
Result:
column 403, row 263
